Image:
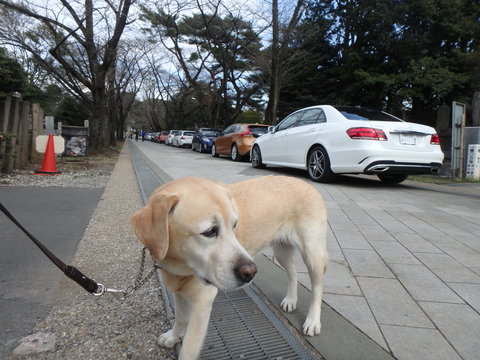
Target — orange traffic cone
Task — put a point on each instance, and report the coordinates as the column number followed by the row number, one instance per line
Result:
column 49, row 164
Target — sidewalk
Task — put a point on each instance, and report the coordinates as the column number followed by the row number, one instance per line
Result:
column 87, row 327
column 404, row 260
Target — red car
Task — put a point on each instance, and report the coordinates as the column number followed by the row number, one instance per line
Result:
column 162, row 137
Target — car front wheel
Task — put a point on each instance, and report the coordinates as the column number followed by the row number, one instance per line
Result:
column 318, row 165
column 257, row 158
column 392, row 178
column 234, row 153
column 214, row 151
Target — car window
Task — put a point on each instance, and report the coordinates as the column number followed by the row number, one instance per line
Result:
column 312, row 116
column 289, row 121
column 256, row 131
column 228, row 130
column 358, row 113
column 210, row 132
column 189, row 133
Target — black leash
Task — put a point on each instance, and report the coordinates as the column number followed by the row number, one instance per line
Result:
column 73, row 273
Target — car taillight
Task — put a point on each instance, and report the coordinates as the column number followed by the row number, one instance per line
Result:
column 246, row 133
column 182, row 138
column 435, row 139
column 364, row 133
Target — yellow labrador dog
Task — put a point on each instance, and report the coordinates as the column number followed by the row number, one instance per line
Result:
column 203, row 235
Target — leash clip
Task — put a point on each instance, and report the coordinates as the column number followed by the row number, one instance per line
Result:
column 102, row 289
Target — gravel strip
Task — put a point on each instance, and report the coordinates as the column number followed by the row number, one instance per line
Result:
column 80, row 178
column 88, row 327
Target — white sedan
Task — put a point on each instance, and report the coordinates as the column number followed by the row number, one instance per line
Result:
column 327, row 140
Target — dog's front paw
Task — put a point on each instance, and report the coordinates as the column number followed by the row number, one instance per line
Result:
column 168, row 339
column 288, row 304
column 312, row 327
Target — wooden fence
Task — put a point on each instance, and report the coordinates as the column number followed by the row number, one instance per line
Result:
column 20, row 123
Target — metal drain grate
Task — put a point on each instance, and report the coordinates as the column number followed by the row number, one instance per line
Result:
column 243, row 327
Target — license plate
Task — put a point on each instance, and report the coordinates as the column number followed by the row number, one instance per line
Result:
column 408, row 139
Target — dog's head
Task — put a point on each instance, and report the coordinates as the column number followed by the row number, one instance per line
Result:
column 191, row 222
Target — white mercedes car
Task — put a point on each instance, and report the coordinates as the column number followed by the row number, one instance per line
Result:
column 327, row 140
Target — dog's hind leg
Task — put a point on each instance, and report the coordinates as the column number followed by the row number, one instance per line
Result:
column 315, row 257
column 284, row 254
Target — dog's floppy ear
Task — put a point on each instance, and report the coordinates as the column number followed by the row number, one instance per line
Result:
column 151, row 223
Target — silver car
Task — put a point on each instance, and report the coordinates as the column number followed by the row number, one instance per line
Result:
column 170, row 136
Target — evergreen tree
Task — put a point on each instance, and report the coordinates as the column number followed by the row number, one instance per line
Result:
column 12, row 76
column 406, row 57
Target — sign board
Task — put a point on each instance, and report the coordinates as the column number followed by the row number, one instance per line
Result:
column 458, row 126
column 473, row 162
column 42, row 140
column 49, row 123
column 76, row 141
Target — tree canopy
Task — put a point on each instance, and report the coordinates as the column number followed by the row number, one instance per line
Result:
column 202, row 63
column 407, row 57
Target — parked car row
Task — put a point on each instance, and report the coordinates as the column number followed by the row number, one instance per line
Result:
column 158, row 137
column 235, row 141
column 326, row 141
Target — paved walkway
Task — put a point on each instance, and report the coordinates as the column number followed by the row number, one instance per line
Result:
column 405, row 261
column 406, row 272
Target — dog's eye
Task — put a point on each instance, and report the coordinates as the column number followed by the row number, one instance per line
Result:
column 235, row 225
column 211, row 233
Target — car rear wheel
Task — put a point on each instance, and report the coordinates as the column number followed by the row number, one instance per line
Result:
column 392, row 178
column 257, row 158
column 214, row 151
column 318, row 165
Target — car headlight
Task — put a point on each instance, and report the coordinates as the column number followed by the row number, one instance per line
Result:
column 205, row 139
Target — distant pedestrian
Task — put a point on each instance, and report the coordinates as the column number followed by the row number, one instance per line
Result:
column 143, row 135
column 136, row 135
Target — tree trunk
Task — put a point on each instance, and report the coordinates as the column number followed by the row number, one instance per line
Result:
column 476, row 109
column 274, row 91
column 113, row 109
column 99, row 135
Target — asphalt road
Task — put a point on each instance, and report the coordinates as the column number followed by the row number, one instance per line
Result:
column 58, row 217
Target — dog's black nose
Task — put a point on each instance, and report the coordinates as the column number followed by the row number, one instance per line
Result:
column 245, row 271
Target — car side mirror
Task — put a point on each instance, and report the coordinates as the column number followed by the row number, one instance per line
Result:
column 271, row 129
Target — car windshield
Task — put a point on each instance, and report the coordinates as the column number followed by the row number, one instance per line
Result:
column 359, row 113
column 189, row 133
column 258, row 130
column 211, row 133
